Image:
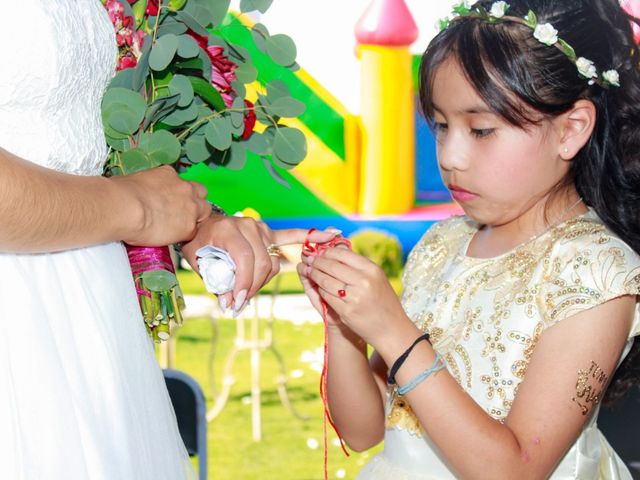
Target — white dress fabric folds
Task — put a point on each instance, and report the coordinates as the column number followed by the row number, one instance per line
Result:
column 81, row 394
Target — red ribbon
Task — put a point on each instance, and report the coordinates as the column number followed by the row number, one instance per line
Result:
column 314, row 250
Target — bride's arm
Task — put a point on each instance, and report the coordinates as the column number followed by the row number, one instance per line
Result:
column 45, row 210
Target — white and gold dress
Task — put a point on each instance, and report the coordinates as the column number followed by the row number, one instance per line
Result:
column 485, row 317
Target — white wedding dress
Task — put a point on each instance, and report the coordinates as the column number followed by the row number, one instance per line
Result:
column 81, row 394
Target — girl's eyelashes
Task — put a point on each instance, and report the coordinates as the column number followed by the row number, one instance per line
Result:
column 440, row 127
column 482, row 132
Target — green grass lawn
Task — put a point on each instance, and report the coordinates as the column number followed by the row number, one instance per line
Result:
column 284, row 452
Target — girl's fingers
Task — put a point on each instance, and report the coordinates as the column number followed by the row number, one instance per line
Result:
column 347, row 257
column 338, row 270
column 326, row 282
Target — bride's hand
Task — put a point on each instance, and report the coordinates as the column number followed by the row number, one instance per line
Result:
column 369, row 306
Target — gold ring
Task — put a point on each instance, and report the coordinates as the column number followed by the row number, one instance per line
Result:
column 274, row 250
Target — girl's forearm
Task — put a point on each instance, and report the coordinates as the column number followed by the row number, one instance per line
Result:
column 355, row 402
column 475, row 445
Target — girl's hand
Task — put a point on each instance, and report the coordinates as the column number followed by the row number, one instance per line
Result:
column 370, row 306
column 311, row 289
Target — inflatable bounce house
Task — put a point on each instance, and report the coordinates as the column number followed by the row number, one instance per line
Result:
column 372, row 170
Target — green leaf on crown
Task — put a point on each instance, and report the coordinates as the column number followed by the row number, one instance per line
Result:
column 257, row 144
column 163, row 52
column 531, row 20
column 568, row 50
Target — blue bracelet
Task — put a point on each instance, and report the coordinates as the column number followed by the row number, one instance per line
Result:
column 438, row 364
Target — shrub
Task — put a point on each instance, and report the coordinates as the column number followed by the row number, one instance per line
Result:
column 380, row 247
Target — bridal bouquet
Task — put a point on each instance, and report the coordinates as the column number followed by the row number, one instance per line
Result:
column 180, row 98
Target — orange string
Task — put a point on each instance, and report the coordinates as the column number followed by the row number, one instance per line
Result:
column 314, row 250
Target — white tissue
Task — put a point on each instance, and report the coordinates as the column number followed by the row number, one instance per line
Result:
column 217, row 268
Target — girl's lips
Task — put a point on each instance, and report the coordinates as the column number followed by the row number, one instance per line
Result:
column 460, row 194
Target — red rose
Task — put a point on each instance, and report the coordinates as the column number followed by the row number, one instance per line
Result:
column 249, row 120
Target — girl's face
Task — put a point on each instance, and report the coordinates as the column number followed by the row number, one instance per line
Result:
column 496, row 171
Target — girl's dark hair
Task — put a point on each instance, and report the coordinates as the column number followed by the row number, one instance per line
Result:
column 519, row 77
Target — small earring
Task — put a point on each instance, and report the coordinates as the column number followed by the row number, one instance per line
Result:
column 566, row 150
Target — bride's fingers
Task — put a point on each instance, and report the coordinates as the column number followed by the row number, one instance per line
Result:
column 294, row 236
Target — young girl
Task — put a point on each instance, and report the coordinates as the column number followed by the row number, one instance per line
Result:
column 531, row 299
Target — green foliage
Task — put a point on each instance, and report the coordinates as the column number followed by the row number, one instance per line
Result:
column 165, row 87
column 381, row 248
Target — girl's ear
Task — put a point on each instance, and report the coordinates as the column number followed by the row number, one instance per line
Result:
column 575, row 128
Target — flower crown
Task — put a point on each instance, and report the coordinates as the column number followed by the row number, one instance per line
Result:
column 544, row 33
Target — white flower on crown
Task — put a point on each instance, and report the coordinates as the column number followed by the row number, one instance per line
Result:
column 586, row 68
column 546, row 34
column 612, row 77
column 498, row 9
column 470, row 3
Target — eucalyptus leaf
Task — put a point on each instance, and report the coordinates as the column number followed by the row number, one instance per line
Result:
column 290, row 146
column 281, row 49
column 162, row 147
column 158, row 280
column 191, row 22
column 176, row 28
column 274, row 173
column 239, row 88
column 135, row 161
column 176, row 4
column 287, row 107
column 250, row 5
column 259, row 40
column 294, row 67
column 142, row 68
column 257, row 143
column 246, row 73
column 237, row 112
column 123, row 79
column 238, row 53
column 187, row 47
column 208, row 93
column 203, row 10
column 181, row 85
column 277, row 89
column 238, row 157
column 163, row 52
column 123, row 110
column 198, row 150
column 181, row 116
column 158, row 109
column 218, row 133
column 119, row 144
